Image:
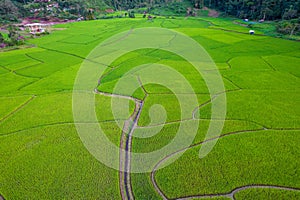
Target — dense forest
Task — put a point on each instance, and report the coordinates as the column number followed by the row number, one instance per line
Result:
column 252, row 9
column 255, row 9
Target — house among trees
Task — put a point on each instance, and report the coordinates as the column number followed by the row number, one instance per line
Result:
column 36, row 28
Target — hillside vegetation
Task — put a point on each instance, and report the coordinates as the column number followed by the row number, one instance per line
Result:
column 252, row 9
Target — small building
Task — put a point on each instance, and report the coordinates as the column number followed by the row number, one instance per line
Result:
column 36, row 28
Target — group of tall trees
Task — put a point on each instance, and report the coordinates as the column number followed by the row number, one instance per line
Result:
column 255, row 9
column 8, row 10
column 252, row 9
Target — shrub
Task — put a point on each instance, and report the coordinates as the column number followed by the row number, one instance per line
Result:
column 2, row 45
column 131, row 14
column 105, row 17
column 291, row 27
column 1, row 38
column 90, row 15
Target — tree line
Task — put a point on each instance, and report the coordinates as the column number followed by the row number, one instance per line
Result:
column 255, row 9
column 251, row 9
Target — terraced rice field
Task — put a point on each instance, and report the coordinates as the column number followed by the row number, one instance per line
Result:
column 256, row 155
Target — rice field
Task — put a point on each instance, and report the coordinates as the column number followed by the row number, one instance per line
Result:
column 256, row 155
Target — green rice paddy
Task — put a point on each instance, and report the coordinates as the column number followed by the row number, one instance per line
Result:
column 42, row 156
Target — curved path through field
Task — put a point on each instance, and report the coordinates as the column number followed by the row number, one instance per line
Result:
column 126, row 137
column 125, row 145
column 125, row 156
column 229, row 194
column 238, row 189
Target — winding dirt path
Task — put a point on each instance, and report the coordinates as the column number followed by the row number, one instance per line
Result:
column 125, row 156
column 125, row 145
column 126, row 141
column 126, row 137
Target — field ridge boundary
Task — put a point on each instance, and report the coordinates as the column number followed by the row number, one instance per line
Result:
column 154, row 170
column 17, row 108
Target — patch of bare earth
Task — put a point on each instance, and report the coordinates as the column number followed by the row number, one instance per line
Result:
column 211, row 12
